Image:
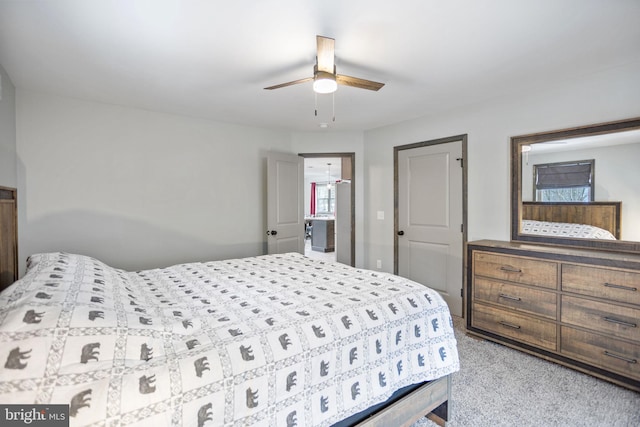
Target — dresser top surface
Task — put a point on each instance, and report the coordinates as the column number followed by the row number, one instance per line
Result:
column 560, row 251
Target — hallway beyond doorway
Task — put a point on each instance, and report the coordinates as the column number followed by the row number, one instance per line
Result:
column 329, row 193
column 324, row 256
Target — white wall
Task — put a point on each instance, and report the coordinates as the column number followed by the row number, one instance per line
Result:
column 8, row 176
column 612, row 94
column 139, row 189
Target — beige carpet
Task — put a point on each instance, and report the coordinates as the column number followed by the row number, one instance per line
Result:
column 499, row 386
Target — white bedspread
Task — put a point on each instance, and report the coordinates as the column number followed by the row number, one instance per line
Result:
column 563, row 229
column 271, row 340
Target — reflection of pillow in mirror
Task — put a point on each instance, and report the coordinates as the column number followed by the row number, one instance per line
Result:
column 563, row 229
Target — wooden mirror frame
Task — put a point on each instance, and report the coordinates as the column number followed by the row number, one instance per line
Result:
column 516, row 185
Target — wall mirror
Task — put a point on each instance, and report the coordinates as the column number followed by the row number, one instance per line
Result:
column 578, row 187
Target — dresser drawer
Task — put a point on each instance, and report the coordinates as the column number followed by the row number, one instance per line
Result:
column 519, row 298
column 615, row 285
column 601, row 351
column 516, row 269
column 530, row 330
column 621, row 322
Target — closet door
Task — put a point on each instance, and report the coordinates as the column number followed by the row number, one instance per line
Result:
column 430, row 217
column 8, row 237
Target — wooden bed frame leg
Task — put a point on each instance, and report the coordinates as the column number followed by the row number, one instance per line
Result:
column 440, row 415
column 413, row 406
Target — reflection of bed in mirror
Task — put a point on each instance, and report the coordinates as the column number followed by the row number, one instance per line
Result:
column 592, row 220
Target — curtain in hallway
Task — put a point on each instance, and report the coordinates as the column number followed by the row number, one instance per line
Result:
column 312, row 208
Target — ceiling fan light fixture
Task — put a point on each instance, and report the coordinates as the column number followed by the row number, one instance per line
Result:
column 324, row 82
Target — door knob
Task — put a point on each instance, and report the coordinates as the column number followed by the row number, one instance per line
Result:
column 400, row 233
column 272, row 232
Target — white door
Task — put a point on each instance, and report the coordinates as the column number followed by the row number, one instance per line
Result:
column 285, row 215
column 430, row 217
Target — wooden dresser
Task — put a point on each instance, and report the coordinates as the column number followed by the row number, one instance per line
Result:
column 579, row 308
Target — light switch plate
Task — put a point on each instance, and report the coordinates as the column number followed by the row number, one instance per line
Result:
column 380, row 214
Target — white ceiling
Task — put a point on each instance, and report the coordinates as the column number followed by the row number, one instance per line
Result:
column 592, row 141
column 212, row 59
column 317, row 169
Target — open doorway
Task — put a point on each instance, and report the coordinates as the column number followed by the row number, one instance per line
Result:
column 329, row 206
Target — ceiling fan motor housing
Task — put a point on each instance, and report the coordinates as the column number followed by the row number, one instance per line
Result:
column 324, row 82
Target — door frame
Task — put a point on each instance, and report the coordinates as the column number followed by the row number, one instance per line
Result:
column 465, row 165
column 352, row 157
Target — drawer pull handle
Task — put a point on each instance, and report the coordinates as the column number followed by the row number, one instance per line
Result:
column 510, row 297
column 615, row 356
column 510, row 269
column 509, row 325
column 619, row 322
column 626, row 288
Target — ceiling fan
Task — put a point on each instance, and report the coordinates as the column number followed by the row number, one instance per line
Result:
column 325, row 79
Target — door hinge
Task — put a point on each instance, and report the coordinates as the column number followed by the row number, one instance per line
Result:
column 461, row 160
column 461, row 292
column 462, row 228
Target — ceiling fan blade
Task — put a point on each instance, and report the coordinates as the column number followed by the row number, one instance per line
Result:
column 295, row 82
column 359, row 83
column 326, row 51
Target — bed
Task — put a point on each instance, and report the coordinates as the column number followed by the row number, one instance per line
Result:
column 592, row 220
column 262, row 341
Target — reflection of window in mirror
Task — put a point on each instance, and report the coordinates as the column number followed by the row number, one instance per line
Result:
column 564, row 181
